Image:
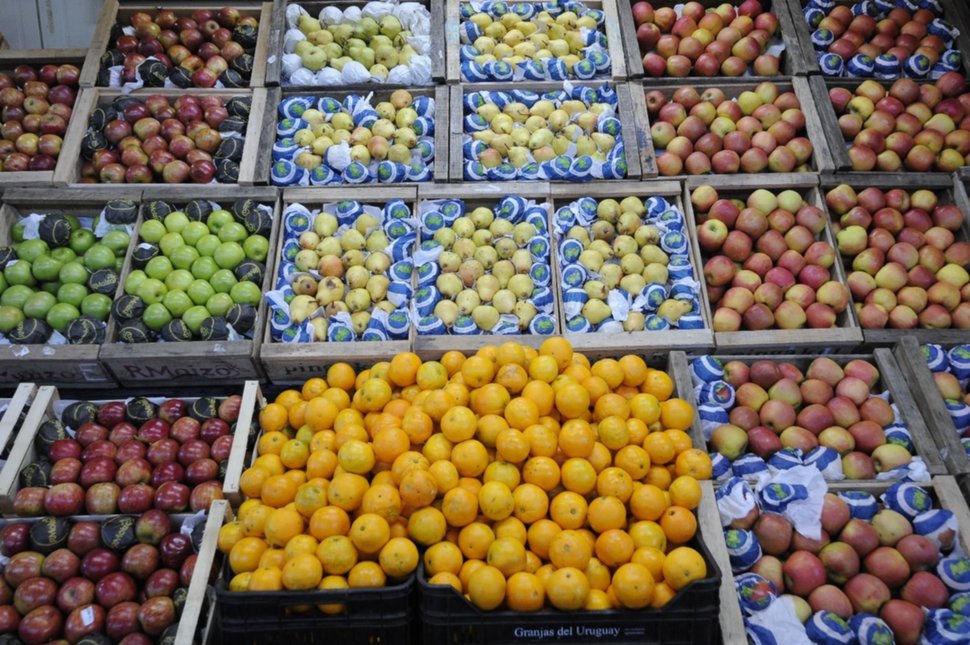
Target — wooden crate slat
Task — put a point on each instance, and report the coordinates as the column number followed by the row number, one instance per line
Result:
column 252, row 402
column 709, row 524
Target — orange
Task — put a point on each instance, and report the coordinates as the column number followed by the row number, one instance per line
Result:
column 443, row 557
column 366, row 574
column 633, row 585
column 502, row 471
column 611, row 405
column 509, row 353
column 634, row 370
column 614, row 547
column 321, row 463
column 398, row 557
column 507, row 555
column 676, row 413
column 437, row 448
column 273, row 417
column 634, row 460
column 685, row 491
column 342, row 376
column 418, row 488
column 597, row 600
column 568, row 510
column 445, row 475
column 272, row 558
column 266, row 579
column 338, row 554
column 596, row 387
column 567, row 589
column 572, row 401
column 648, row 533
column 309, row 498
column 271, row 443
column 662, row 594
column 278, row 491
column 296, row 414
column 403, row 369
column 288, row 397
column 541, row 471
column 300, row 544
column 600, row 458
column 513, row 377
column 374, row 395
column 543, row 368
column 469, row 567
column 659, row 476
column 383, row 500
column 578, row 373
column 229, row 534
column 282, row 525
column 240, row 582
column 453, row 360
column 427, row 526
column 540, row 535
column 653, row 559
column 606, row 513
column 459, row 424
column 694, row 463
column 320, row 414
column 578, row 475
column 613, row 432
column 531, row 503
column 680, row 439
column 542, row 394
column 645, row 407
column 418, row 425
column 679, row 524
column 491, row 398
column 512, row 446
column 294, row 454
column 460, row 507
column 356, row 457
column 407, row 462
column 302, row 572
column 495, row 500
column 658, row 383
column 327, row 521
column 245, row 554
column 576, row 438
column 524, row 592
column 489, row 428
column 682, row 566
column 477, row 371
column 346, row 490
column 614, row 482
column 323, row 440
column 251, row 481
column 338, row 397
column 660, row 448
column 470, row 458
column 432, row 375
column 570, row 549
column 511, row 527
column 474, row 540
column 609, row 370
column 486, row 588
column 559, row 348
column 313, row 387
column 348, row 433
column 332, row 582
column 647, row 502
column 598, row 574
column 379, row 371
column 389, row 443
column 348, row 417
column 521, row 413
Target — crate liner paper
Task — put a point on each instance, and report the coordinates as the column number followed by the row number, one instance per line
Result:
column 777, row 623
column 735, row 499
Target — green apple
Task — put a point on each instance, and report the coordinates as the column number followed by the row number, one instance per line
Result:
column 73, row 294
column 177, row 302
column 38, row 304
column 194, row 317
column 97, row 305
column 207, row 245
column 117, row 241
column 219, row 304
column 15, row 296
column 170, row 242
column 63, row 254
column 133, row 281
column 218, row 219
column 204, row 267
column 46, row 268
column 193, row 232
column 81, row 240
column 51, row 287
column 229, row 255
column 179, row 279
column 155, row 316
column 73, row 271
column 256, row 247
column 3, row 283
column 61, row 315
column 30, row 250
column 10, row 317
column 99, row 256
column 184, row 256
column 151, row 290
column 119, row 264
column 152, row 231
column 158, row 267
column 245, row 293
column 19, row 273
column 200, row 291
column 176, row 221
column 222, row 280
column 232, row 232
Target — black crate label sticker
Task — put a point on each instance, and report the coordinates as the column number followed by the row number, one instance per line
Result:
column 576, row 633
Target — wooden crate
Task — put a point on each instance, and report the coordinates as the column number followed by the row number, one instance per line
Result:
column 792, row 59
column 90, row 98
column 273, row 73
column 930, row 403
column 47, row 405
column 839, row 147
column 626, row 109
column 64, row 365
column 645, row 342
column 948, row 193
column 434, row 346
column 845, row 336
column 263, row 160
column 17, row 404
column 892, row 378
column 119, row 12
column 821, row 160
column 954, row 12
column 612, row 26
column 9, row 59
column 945, row 489
column 296, row 362
column 194, row 362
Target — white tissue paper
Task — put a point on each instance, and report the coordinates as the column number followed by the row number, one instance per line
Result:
column 338, row 156
column 293, row 13
column 327, row 76
column 377, row 10
column 290, row 64
column 736, row 505
column 804, row 514
column 401, row 75
column 354, row 73
column 420, row 70
column 290, row 40
column 331, row 16
column 352, row 15
column 780, row 618
column 302, row 76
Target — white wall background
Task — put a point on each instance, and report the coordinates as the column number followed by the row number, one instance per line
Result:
column 37, row 24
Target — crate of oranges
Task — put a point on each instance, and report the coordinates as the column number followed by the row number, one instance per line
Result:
column 531, row 479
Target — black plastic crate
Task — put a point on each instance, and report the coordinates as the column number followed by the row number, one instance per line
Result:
column 690, row 617
column 379, row 616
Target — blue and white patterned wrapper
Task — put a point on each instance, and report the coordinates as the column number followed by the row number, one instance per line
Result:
column 960, row 603
column 917, row 66
column 718, row 393
column 939, row 525
column 777, row 497
column 900, row 435
column 720, row 466
column 542, row 325
column 749, row 467
column 860, row 66
column 828, row 628
column 959, row 413
column 966, row 445
column 813, row 15
column 760, row 635
column 907, row 498
column 821, row 39
column 862, row 505
column 886, row 66
column 735, row 500
column 706, row 369
column 936, row 357
column 827, row 461
column 831, row 64
column 870, row 629
column 578, row 325
column 711, row 416
column 755, row 592
column 943, row 627
column 959, row 360
column 743, row 549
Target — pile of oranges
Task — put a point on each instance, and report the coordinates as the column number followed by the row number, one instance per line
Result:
column 528, row 478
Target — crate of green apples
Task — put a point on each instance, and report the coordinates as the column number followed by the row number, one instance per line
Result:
column 63, row 258
column 189, row 307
